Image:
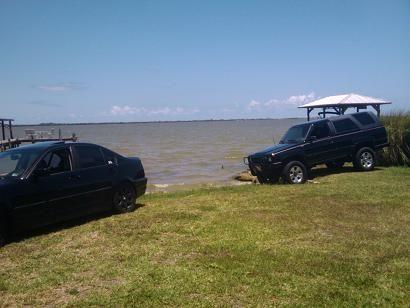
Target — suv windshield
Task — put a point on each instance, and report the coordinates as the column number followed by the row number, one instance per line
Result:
column 13, row 163
column 296, row 134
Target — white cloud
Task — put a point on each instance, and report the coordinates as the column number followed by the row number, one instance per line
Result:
column 123, row 110
column 60, row 87
column 301, row 99
column 272, row 102
column 254, row 105
column 292, row 101
column 162, row 111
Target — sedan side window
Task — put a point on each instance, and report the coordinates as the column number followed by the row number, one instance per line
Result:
column 110, row 157
column 89, row 156
column 321, row 130
column 56, row 161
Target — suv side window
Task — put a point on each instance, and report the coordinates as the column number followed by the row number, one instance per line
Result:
column 57, row 161
column 344, row 125
column 363, row 118
column 320, row 130
column 89, row 156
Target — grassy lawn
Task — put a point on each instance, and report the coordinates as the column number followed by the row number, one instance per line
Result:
column 342, row 241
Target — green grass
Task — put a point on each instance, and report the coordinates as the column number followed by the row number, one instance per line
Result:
column 398, row 130
column 342, row 241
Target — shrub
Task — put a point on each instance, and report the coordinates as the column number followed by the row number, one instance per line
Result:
column 397, row 124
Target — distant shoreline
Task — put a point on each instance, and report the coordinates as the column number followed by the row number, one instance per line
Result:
column 148, row 122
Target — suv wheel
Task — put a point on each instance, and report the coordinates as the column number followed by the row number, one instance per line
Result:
column 365, row 159
column 124, row 199
column 295, row 172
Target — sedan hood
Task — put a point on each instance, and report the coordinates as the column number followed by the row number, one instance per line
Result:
column 274, row 149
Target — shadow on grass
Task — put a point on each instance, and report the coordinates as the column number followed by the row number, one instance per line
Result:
column 64, row 225
column 324, row 171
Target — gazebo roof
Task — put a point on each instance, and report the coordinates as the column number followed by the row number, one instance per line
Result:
column 345, row 100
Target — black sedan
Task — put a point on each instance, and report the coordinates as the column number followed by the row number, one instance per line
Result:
column 50, row 182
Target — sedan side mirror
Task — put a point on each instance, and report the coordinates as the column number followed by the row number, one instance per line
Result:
column 313, row 138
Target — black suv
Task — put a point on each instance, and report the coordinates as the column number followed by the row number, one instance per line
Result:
column 333, row 141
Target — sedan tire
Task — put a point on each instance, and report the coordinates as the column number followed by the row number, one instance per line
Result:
column 295, row 172
column 2, row 240
column 124, row 199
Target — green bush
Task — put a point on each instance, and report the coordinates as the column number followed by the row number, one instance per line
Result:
column 398, row 130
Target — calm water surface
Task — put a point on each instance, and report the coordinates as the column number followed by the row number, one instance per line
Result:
column 183, row 153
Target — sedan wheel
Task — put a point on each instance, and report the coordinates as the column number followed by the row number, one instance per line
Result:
column 124, row 199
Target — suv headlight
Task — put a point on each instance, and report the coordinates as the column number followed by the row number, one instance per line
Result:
column 271, row 157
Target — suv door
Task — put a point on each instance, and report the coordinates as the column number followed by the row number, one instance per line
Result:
column 346, row 131
column 319, row 146
column 94, row 178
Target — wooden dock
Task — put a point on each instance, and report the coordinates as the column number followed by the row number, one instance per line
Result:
column 11, row 142
column 14, row 143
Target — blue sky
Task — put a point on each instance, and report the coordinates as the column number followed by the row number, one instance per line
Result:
column 93, row 61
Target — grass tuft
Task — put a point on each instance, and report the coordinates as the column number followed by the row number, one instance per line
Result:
column 398, row 129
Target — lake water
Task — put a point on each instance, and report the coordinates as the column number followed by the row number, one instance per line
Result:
column 182, row 154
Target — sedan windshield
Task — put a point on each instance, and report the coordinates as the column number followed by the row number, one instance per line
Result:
column 296, row 134
column 13, row 163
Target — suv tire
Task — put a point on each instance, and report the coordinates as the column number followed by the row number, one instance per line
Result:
column 295, row 172
column 124, row 199
column 365, row 159
column 268, row 180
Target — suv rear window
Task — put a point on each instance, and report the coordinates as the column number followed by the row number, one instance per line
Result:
column 363, row 118
column 89, row 156
column 345, row 125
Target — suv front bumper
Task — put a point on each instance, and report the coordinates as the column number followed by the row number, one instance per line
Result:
column 264, row 168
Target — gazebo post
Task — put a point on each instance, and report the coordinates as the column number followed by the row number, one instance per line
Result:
column 308, row 113
column 324, row 112
column 377, row 108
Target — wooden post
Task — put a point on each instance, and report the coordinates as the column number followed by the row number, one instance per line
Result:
column 377, row 108
column 2, row 130
column 11, row 129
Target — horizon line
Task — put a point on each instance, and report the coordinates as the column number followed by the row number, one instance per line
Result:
column 147, row 122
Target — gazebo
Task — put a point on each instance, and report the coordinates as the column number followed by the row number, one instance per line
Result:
column 338, row 104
